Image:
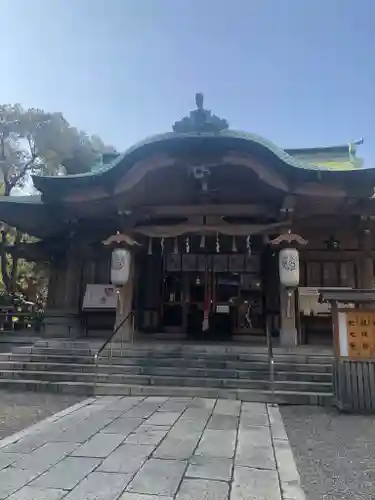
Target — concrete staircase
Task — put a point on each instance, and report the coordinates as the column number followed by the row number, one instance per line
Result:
column 226, row 371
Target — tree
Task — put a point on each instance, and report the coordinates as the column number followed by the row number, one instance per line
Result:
column 33, row 141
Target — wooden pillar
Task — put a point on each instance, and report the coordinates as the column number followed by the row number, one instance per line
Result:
column 63, row 302
column 288, row 327
column 288, row 330
column 366, row 264
column 124, row 308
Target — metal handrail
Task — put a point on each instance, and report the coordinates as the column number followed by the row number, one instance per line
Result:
column 271, row 360
column 109, row 341
column 110, row 338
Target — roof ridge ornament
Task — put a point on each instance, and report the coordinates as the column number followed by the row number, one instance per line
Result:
column 353, row 146
column 200, row 120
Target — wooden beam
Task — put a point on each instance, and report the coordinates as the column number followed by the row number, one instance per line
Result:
column 224, row 228
column 219, row 210
column 319, row 190
column 265, row 173
column 140, row 169
column 288, row 205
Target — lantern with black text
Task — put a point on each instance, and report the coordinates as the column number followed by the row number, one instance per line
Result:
column 289, row 267
column 120, row 266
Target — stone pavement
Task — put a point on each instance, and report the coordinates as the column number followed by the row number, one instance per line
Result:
column 134, row 448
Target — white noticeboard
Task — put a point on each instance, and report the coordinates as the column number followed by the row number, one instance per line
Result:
column 343, row 335
column 100, row 297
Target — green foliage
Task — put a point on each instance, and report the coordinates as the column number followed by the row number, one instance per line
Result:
column 33, row 141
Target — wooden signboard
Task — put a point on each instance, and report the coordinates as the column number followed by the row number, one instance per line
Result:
column 360, row 326
column 99, row 297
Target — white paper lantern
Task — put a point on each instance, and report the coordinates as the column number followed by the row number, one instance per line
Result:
column 120, row 266
column 289, row 267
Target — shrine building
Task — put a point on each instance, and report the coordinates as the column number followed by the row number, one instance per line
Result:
column 200, row 209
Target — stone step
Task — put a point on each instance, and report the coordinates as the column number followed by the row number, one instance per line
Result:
column 280, row 397
column 180, row 353
column 222, row 356
column 220, row 364
column 259, row 374
column 295, row 385
column 170, row 363
column 24, row 357
column 50, row 350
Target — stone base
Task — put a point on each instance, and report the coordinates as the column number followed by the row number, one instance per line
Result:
column 59, row 323
column 354, row 385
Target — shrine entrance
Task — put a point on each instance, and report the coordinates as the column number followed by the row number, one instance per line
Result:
column 205, row 296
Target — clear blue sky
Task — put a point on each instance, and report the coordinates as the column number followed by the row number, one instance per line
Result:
column 299, row 72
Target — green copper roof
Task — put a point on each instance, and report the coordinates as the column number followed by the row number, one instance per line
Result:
column 204, row 131
column 226, row 139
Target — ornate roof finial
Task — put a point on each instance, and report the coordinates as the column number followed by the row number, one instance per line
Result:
column 200, row 120
column 353, row 146
column 199, row 100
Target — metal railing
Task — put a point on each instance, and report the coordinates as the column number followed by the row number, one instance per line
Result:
column 271, row 360
column 109, row 340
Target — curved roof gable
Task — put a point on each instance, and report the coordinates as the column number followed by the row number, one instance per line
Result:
column 203, row 130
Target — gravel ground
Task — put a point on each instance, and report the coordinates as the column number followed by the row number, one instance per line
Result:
column 22, row 409
column 335, row 453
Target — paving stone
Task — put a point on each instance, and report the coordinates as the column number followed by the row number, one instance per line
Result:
column 67, row 473
column 124, row 403
column 139, row 496
column 175, row 404
column 29, row 493
column 228, row 407
column 158, row 477
column 185, row 426
column 223, row 422
column 25, row 445
column 101, row 445
column 277, row 425
column 253, row 408
column 159, row 400
column 255, row 419
column 147, row 435
column 45, row 456
column 126, row 459
column 254, row 414
column 98, row 421
column 143, row 410
column 203, row 489
column 8, row 459
column 254, row 448
column 294, row 491
column 206, row 403
column 106, row 400
column 123, row 426
column 12, row 479
column 255, row 484
column 180, row 434
column 163, row 418
column 288, row 474
column 100, row 486
column 196, row 414
column 210, row 468
column 179, row 447
column 79, row 433
column 217, row 443
column 107, row 415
